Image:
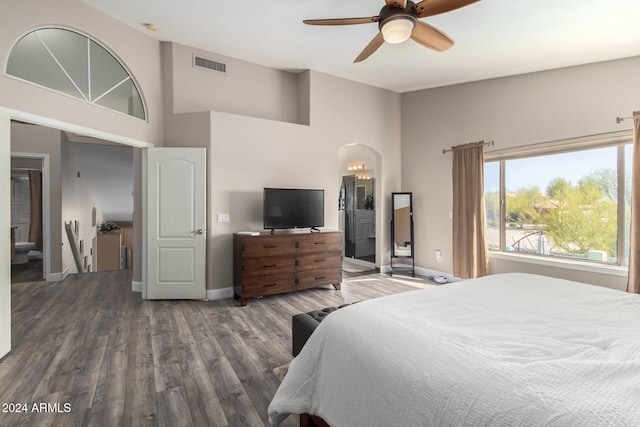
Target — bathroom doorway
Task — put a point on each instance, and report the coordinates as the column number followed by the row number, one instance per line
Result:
column 29, row 217
column 357, row 206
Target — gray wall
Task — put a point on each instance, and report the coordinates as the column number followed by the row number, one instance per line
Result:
column 246, row 89
column 512, row 111
column 247, row 152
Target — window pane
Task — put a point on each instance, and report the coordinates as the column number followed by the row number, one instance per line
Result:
column 30, row 60
column 563, row 205
column 107, row 86
column 492, row 203
column 70, row 50
column 124, row 98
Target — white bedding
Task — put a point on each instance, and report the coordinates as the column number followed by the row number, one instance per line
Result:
column 503, row 350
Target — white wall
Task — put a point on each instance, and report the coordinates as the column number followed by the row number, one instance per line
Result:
column 77, row 205
column 512, row 111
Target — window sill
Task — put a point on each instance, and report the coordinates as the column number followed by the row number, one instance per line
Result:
column 613, row 270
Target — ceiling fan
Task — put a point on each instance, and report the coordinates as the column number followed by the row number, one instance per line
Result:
column 399, row 20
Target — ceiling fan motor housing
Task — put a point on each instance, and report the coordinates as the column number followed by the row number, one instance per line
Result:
column 392, row 13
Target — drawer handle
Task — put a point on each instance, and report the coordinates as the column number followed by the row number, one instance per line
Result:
column 320, row 260
column 270, row 246
column 270, row 266
column 319, row 243
column 269, row 285
column 320, row 278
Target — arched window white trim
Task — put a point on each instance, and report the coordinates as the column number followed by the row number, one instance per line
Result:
column 73, row 64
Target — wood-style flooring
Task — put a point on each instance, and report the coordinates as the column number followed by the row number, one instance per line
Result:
column 94, row 353
column 29, row 272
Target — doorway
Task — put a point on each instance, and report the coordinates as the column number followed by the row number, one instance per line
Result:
column 29, row 176
column 86, row 183
column 359, row 217
column 358, row 210
column 8, row 115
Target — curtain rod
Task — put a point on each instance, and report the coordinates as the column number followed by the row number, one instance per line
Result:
column 488, row 143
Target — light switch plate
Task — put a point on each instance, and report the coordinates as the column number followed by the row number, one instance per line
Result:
column 223, row 217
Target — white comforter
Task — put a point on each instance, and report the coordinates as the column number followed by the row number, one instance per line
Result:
column 503, row 350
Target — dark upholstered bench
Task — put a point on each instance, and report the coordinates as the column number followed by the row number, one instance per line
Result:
column 303, row 325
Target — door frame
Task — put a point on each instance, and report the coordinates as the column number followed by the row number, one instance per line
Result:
column 6, row 115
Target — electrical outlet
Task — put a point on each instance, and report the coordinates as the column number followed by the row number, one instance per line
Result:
column 438, row 255
column 223, row 217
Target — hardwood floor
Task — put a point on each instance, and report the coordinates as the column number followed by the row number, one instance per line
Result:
column 95, row 353
column 29, row 272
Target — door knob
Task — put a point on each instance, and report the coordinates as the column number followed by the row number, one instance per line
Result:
column 198, row 231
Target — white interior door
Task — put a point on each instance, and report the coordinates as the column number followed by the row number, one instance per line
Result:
column 176, row 223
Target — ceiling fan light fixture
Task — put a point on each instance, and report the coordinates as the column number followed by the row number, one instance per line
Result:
column 398, row 28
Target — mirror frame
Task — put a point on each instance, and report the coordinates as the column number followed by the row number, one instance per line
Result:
column 394, row 253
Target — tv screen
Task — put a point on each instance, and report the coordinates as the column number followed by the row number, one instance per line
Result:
column 293, row 208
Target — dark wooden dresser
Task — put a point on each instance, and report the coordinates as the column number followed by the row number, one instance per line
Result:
column 276, row 263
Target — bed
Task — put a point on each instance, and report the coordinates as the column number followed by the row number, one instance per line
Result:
column 506, row 350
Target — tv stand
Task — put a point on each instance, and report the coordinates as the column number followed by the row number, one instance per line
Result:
column 277, row 263
column 314, row 230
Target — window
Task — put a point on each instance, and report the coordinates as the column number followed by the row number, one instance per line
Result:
column 561, row 200
column 72, row 64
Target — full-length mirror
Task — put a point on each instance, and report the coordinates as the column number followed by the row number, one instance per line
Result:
column 402, row 237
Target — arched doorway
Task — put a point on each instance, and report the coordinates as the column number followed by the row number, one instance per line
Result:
column 358, row 206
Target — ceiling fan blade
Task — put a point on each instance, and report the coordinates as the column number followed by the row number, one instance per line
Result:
column 431, row 37
column 371, row 47
column 342, row 21
column 402, row 4
column 435, row 7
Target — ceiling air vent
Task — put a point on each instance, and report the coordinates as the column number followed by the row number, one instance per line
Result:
column 209, row 64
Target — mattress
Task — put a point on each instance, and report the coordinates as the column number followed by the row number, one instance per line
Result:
column 502, row 350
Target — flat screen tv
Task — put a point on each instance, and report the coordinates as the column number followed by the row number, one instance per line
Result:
column 293, row 208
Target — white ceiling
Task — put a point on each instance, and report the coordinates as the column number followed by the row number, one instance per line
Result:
column 493, row 38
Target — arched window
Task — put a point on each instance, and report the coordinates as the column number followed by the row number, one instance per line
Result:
column 73, row 64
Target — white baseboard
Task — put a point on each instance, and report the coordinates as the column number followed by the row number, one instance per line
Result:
column 385, row 269
column 428, row 272
column 216, row 294
column 424, row 272
column 56, row 277
column 212, row 294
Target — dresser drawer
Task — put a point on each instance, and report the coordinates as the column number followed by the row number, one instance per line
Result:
column 266, row 246
column 266, row 285
column 321, row 277
column 319, row 261
column 320, row 242
column 263, row 266
column 269, row 264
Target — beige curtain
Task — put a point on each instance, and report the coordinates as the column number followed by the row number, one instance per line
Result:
column 469, row 224
column 633, row 285
column 35, row 219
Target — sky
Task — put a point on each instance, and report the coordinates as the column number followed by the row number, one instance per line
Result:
column 539, row 171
